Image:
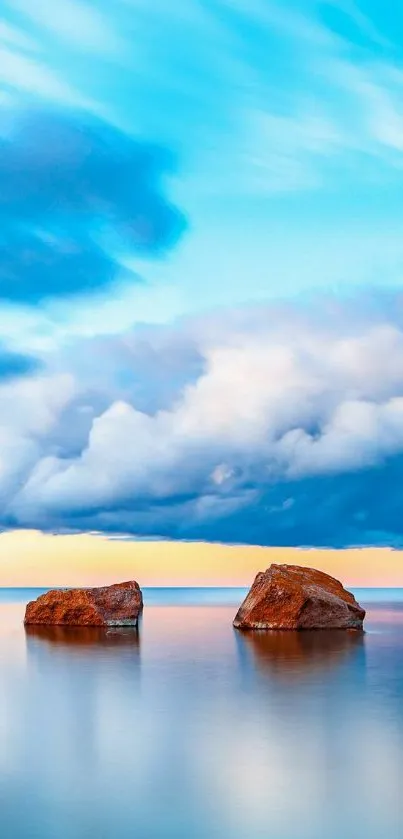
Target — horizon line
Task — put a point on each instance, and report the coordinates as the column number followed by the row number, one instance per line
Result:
column 50, row 587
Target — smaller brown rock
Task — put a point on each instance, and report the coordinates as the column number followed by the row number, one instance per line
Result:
column 293, row 597
column 116, row 605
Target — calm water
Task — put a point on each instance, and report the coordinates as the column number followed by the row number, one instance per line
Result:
column 189, row 729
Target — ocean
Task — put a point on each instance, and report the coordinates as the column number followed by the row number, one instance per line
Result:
column 188, row 729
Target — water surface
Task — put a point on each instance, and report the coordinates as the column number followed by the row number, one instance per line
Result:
column 188, row 728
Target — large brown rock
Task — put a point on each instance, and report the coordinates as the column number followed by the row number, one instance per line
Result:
column 116, row 605
column 292, row 597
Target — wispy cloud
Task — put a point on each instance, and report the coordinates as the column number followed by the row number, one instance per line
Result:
column 277, row 95
column 326, row 98
column 25, row 74
column 80, row 24
column 15, row 37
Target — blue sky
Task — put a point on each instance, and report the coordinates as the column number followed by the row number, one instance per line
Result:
column 179, row 183
column 283, row 124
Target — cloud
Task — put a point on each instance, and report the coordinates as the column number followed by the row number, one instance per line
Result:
column 14, row 37
column 281, row 433
column 38, row 266
column 73, row 21
column 29, row 409
column 29, row 76
column 326, row 105
column 275, row 424
column 76, row 195
column 13, row 364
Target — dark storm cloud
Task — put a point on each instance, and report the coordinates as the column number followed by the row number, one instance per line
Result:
column 355, row 508
column 352, row 509
column 69, row 183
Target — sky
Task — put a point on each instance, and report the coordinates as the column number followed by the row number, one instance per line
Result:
column 201, row 272
column 40, row 560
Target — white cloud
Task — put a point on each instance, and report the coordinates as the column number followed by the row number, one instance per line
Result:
column 282, row 396
column 29, row 411
column 221, row 473
column 33, row 405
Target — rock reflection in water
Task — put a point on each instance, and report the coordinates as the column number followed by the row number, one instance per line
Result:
column 85, row 681
column 85, row 636
column 296, row 655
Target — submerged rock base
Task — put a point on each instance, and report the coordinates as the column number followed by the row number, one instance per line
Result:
column 292, row 597
column 116, row 605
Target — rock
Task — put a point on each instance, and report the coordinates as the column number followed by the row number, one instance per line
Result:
column 116, row 605
column 292, row 597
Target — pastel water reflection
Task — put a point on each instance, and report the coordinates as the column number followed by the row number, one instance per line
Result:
column 190, row 729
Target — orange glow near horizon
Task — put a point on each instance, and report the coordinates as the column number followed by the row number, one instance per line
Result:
column 30, row 558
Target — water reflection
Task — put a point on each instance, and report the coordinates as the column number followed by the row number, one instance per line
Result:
column 298, row 655
column 188, row 728
column 85, row 636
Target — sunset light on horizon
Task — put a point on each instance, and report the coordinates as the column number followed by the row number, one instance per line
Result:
column 34, row 559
